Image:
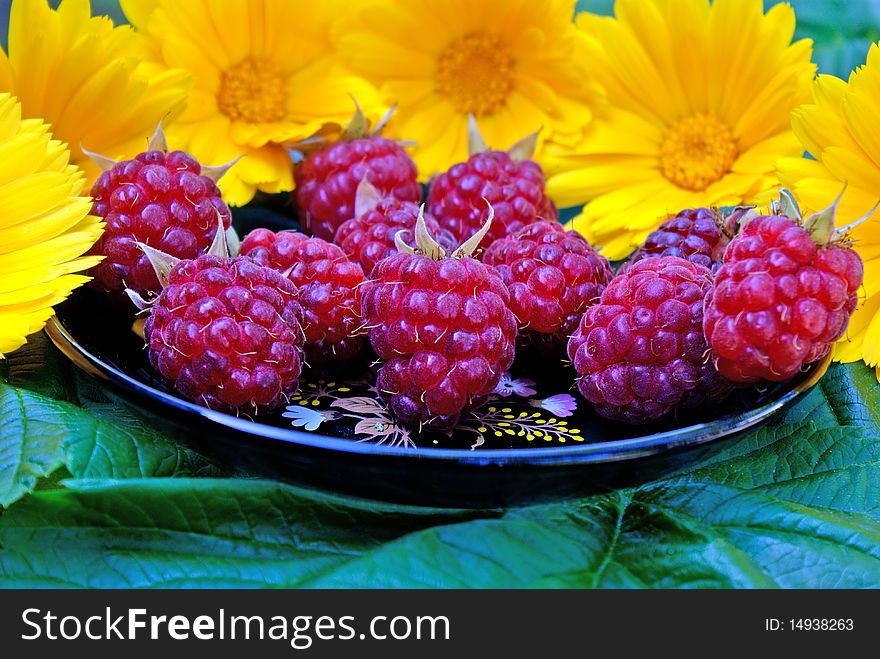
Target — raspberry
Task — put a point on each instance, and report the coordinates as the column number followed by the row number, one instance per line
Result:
column 227, row 333
column 370, row 238
column 444, row 327
column 699, row 235
column 552, row 274
column 640, row 352
column 510, row 181
column 515, row 190
column 782, row 298
column 327, row 179
column 326, row 280
column 160, row 199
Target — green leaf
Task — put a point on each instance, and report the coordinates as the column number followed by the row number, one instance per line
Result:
column 31, row 439
column 40, row 435
column 40, row 367
column 122, row 445
column 193, row 532
column 848, row 394
column 128, row 445
column 791, row 506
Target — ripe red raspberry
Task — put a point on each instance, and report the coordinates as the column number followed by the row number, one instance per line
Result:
column 515, row 190
column 699, row 235
column 370, row 238
column 326, row 280
column 160, row 199
column 227, row 333
column 510, row 181
column 640, row 352
column 444, row 327
column 782, row 298
column 552, row 274
column 327, row 179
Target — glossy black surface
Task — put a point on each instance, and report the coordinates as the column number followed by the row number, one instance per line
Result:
column 500, row 455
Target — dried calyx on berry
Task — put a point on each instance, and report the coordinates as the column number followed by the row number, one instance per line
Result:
column 510, row 180
column 822, row 224
column 522, row 150
column 427, row 245
column 368, row 237
column 162, row 263
column 443, row 326
column 784, row 294
column 366, row 198
column 166, row 200
column 358, row 127
column 334, row 164
column 327, row 281
column 159, row 142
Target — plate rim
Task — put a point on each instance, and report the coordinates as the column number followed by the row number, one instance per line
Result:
column 588, row 452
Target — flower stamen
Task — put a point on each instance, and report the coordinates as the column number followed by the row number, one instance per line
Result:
column 475, row 72
column 252, row 91
column 697, row 151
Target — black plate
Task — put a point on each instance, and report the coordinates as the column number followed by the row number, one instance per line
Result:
column 536, row 438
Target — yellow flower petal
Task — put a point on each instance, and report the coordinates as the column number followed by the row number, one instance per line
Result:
column 45, row 227
column 87, row 79
column 265, row 74
column 690, row 117
column 839, row 128
column 851, row 346
column 509, row 62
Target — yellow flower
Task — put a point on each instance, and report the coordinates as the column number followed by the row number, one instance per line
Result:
column 840, row 130
column 45, row 226
column 265, row 75
column 86, row 78
column 508, row 62
column 699, row 99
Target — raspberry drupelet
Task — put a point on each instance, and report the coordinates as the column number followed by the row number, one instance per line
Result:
column 552, row 274
column 326, row 280
column 327, row 179
column 369, row 236
column 640, row 352
column 442, row 325
column 510, row 181
column 783, row 296
column 225, row 331
column 699, row 235
column 165, row 200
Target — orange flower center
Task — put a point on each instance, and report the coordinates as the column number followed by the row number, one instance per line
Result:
column 475, row 72
column 697, row 151
column 252, row 91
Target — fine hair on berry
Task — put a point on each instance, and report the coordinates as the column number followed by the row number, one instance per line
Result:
column 226, row 333
column 699, row 235
column 326, row 280
column 158, row 199
column 327, row 179
column 443, row 326
column 515, row 189
column 640, row 352
column 369, row 238
column 782, row 299
column 553, row 275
